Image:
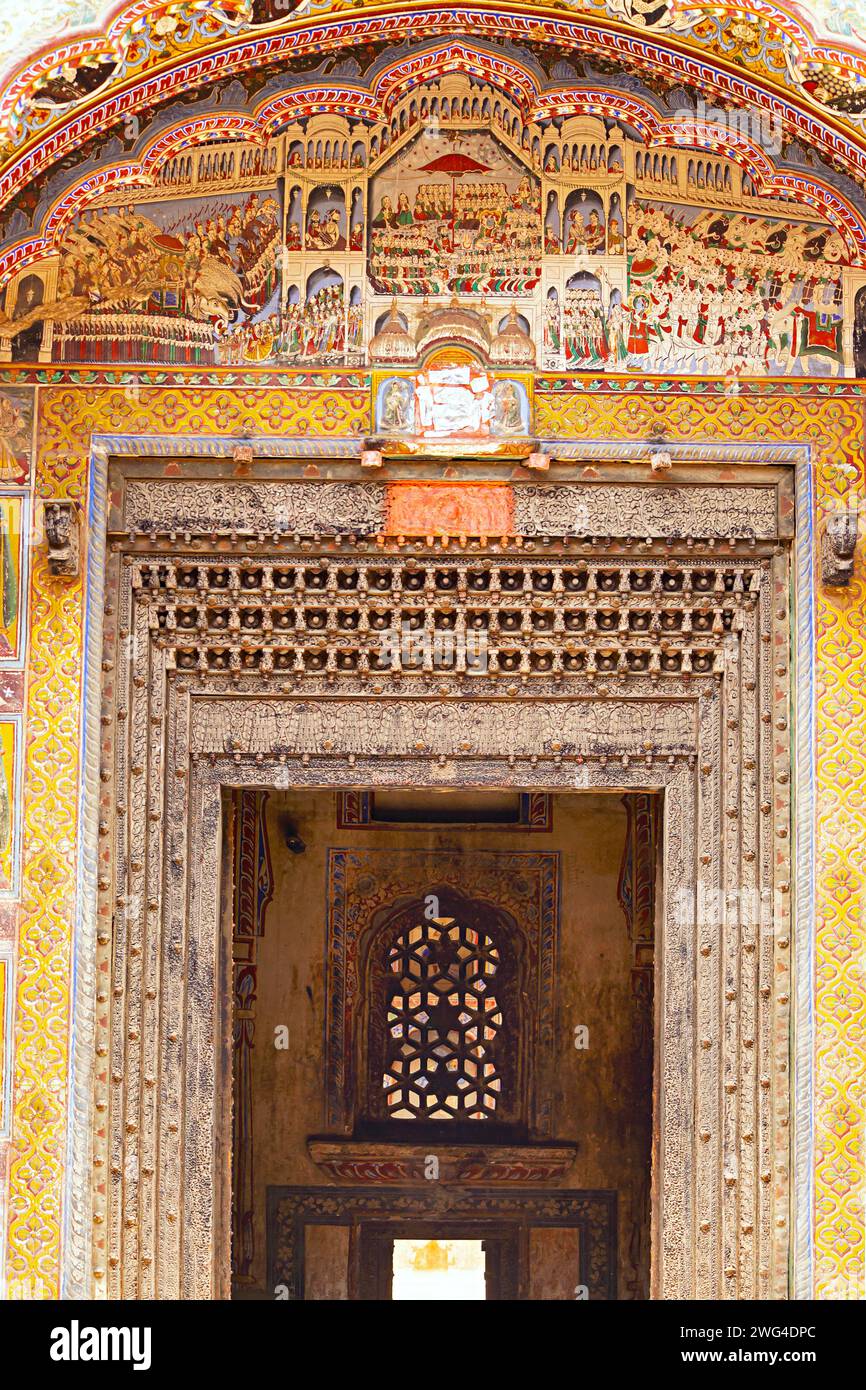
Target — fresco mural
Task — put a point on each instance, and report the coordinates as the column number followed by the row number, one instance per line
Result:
column 162, row 282
column 12, row 553
column 322, row 329
column 345, row 243
column 16, row 434
column 759, row 298
column 719, row 292
column 6, row 996
column 458, row 401
column 461, row 216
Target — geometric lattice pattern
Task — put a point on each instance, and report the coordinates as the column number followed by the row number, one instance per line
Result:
column 443, row 1023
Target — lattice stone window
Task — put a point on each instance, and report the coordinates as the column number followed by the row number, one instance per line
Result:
column 445, row 1026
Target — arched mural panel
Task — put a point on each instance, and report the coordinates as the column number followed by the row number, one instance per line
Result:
column 456, row 196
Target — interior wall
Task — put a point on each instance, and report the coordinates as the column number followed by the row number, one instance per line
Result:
column 602, row 1095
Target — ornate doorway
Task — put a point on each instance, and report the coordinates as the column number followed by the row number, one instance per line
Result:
column 644, row 649
column 468, row 1044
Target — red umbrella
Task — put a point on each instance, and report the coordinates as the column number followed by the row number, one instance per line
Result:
column 454, row 165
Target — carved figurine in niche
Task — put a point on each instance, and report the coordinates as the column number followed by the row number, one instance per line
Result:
column 507, row 414
column 397, row 406
column 61, row 534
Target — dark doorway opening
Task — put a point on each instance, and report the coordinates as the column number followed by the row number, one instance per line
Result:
column 442, row 1011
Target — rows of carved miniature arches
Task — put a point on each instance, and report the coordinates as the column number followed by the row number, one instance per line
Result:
column 376, row 618
column 267, row 619
column 325, row 575
column 453, row 648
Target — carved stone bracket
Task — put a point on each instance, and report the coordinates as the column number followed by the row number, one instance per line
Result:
column 62, row 537
column 838, row 544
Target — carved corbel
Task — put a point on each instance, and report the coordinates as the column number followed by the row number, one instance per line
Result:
column 62, row 538
column 660, row 460
column 371, row 458
column 838, row 544
column 660, row 455
column 243, row 450
column 538, row 461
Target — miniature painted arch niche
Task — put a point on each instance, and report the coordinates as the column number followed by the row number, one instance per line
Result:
column 444, row 1039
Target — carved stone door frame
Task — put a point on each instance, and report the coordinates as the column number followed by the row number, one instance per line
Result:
column 170, row 739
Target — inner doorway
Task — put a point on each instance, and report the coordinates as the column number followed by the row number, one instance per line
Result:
column 438, row 1270
column 446, row 997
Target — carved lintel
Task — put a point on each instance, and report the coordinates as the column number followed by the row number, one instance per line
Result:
column 347, row 1160
column 838, row 544
column 62, row 538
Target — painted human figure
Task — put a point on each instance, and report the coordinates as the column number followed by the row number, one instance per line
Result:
column 640, row 329
column 314, row 230
column 385, row 217
column 587, row 236
column 615, row 242
column 552, row 334
column 395, row 406
column 507, row 412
